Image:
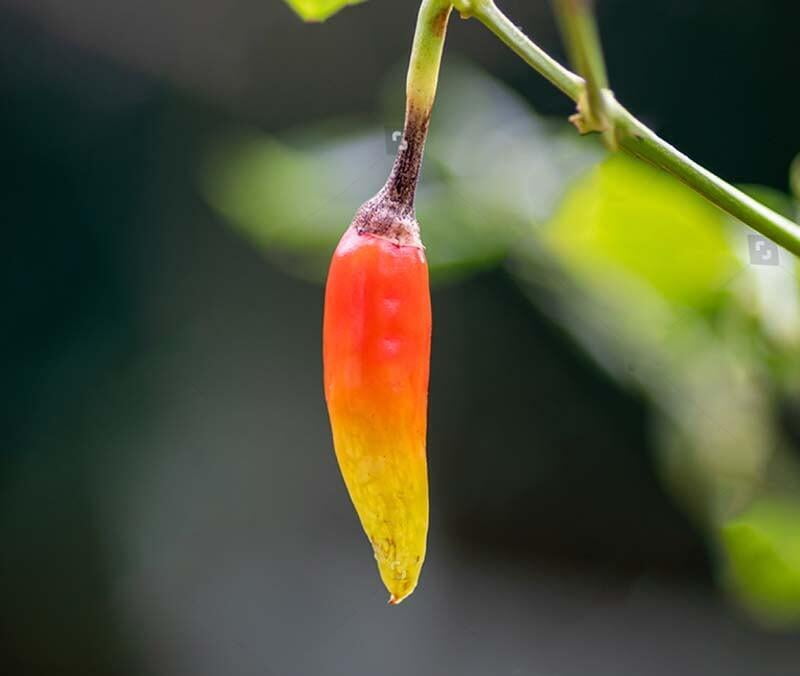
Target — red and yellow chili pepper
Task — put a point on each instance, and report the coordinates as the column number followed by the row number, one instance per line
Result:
column 377, row 341
column 377, row 333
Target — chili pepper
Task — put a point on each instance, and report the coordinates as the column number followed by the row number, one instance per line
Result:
column 376, row 338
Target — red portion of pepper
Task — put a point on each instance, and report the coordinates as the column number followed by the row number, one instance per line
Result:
column 377, row 332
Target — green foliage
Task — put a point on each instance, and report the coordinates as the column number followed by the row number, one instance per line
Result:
column 762, row 548
column 319, row 10
column 629, row 219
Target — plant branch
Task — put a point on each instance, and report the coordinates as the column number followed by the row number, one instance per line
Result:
column 645, row 144
column 489, row 15
column 636, row 138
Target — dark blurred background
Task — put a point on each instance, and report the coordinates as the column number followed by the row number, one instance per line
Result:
column 169, row 498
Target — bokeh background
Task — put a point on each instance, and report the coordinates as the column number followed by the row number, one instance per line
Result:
column 614, row 427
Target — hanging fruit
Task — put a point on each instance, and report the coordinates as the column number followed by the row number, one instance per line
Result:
column 376, row 343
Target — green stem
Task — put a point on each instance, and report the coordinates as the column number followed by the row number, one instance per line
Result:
column 579, row 28
column 497, row 22
column 423, row 76
column 636, row 138
column 426, row 54
column 645, row 144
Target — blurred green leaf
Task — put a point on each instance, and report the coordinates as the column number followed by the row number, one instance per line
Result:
column 293, row 204
column 627, row 223
column 762, row 548
column 655, row 284
column 319, row 10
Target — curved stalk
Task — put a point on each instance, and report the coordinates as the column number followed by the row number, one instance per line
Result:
column 490, row 16
column 421, row 82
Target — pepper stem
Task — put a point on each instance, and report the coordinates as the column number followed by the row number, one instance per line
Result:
column 423, row 76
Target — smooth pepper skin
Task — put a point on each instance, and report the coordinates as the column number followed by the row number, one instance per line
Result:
column 376, row 353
